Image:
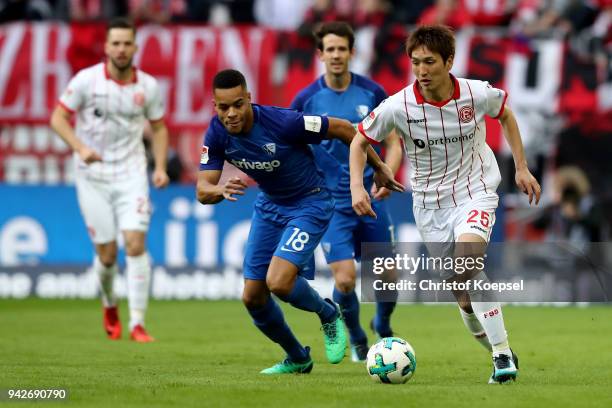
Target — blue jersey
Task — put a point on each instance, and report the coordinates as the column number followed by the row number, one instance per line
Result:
column 275, row 152
column 352, row 104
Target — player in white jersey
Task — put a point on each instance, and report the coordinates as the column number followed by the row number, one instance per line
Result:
column 111, row 101
column 454, row 173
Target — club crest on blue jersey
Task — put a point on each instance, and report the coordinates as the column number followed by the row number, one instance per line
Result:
column 362, row 110
column 269, row 148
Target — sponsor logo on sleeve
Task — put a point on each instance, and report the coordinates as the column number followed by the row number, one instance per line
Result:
column 204, row 155
column 312, row 123
column 367, row 122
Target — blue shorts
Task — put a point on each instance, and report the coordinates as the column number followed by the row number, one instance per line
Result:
column 347, row 231
column 291, row 232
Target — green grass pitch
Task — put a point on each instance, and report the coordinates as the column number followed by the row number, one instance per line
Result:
column 208, row 354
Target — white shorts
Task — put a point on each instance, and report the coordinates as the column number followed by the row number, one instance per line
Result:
column 110, row 207
column 475, row 216
column 441, row 228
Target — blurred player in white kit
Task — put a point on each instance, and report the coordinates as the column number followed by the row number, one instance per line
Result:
column 454, row 173
column 111, row 101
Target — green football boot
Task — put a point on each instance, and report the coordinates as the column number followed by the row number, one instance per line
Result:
column 290, row 367
column 334, row 335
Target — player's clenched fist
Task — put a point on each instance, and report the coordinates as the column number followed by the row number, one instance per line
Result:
column 233, row 186
column 160, row 178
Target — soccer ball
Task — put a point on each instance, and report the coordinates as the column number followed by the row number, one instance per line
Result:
column 391, row 361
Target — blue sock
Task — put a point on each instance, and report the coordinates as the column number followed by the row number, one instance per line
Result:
column 270, row 320
column 304, row 297
column 349, row 304
column 382, row 320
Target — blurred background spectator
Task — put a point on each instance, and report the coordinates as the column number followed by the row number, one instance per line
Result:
column 447, row 12
column 157, row 11
column 281, row 14
column 13, row 10
column 575, row 214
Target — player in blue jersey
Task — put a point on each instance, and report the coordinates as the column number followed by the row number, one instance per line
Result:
column 291, row 213
column 342, row 93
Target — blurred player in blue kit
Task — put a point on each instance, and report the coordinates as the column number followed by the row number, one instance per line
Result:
column 342, row 93
column 290, row 215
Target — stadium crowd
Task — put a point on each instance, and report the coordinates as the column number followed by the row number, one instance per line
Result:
column 570, row 138
column 527, row 17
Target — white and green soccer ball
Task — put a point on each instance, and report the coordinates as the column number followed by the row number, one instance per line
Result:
column 391, row 361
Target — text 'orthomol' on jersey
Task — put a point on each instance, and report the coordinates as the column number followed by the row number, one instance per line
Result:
column 450, row 161
column 275, row 152
column 352, row 104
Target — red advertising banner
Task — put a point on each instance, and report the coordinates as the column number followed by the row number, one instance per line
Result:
column 38, row 59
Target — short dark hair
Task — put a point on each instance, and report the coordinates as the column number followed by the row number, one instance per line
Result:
column 437, row 38
column 339, row 28
column 228, row 78
column 121, row 22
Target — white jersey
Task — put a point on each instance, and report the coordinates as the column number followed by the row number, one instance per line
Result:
column 111, row 118
column 450, row 161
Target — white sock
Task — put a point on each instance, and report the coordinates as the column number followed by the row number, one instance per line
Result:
column 489, row 314
column 474, row 327
column 106, row 278
column 138, row 279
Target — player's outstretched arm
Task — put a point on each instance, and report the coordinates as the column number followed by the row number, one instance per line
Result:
column 523, row 177
column 393, row 159
column 208, row 190
column 343, row 130
column 160, row 153
column 60, row 123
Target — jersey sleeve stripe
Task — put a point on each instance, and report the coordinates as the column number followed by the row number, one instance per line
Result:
column 63, row 105
column 503, row 107
column 363, row 132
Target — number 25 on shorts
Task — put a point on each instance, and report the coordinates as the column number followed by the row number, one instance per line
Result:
column 475, row 216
